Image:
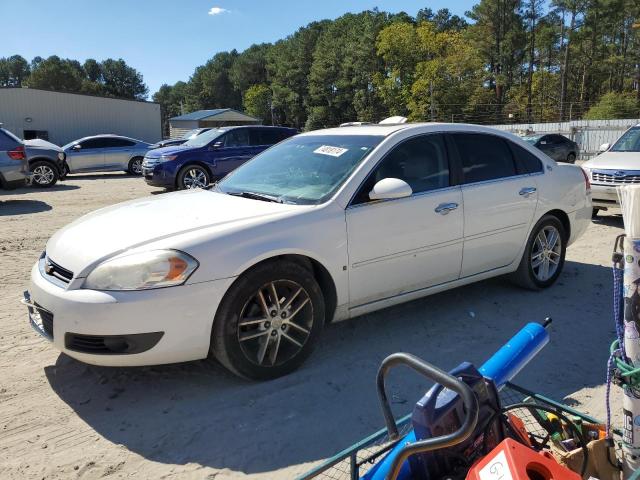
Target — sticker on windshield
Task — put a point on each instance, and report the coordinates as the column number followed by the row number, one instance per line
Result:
column 329, row 150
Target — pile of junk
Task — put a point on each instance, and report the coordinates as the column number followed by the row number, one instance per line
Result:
column 475, row 424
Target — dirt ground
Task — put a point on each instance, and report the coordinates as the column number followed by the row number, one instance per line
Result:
column 62, row 419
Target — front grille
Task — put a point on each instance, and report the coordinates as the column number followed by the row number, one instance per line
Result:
column 47, row 320
column 616, row 177
column 55, row 270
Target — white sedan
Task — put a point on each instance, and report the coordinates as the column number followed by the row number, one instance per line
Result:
column 322, row 227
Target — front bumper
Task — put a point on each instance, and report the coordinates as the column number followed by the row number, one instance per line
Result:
column 604, row 196
column 184, row 315
column 157, row 176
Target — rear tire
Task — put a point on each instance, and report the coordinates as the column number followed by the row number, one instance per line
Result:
column 571, row 158
column 135, row 166
column 45, row 175
column 260, row 336
column 193, row 176
column 543, row 257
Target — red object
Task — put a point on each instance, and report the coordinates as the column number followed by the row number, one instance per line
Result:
column 17, row 153
column 511, row 460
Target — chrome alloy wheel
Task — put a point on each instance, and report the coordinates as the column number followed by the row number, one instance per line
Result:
column 43, row 175
column 546, row 253
column 275, row 323
column 194, row 177
column 136, row 167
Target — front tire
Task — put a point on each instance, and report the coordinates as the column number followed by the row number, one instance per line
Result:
column 193, row 176
column 269, row 321
column 135, row 166
column 44, row 174
column 543, row 256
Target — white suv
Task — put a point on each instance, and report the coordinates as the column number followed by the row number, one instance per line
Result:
column 616, row 165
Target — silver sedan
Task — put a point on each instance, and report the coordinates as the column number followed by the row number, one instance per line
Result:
column 106, row 153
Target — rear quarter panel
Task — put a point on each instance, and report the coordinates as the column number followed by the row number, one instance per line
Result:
column 562, row 187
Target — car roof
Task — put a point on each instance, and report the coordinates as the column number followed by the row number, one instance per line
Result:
column 388, row 129
column 108, row 135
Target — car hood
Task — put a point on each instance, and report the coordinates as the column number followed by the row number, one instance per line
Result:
column 112, row 230
column 615, row 161
column 171, row 143
column 38, row 143
column 156, row 152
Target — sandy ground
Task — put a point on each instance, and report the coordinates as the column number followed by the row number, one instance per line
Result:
column 62, row 419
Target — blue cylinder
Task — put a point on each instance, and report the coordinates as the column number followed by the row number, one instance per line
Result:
column 514, row 355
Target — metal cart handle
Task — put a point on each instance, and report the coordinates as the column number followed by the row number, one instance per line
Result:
column 441, row 377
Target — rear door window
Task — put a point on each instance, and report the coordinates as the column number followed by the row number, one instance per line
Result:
column 117, row 142
column 528, row 161
column 484, row 157
column 238, row 137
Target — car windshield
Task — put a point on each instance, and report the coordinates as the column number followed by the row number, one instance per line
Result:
column 205, row 138
column 628, row 142
column 190, row 133
column 532, row 138
column 306, row 169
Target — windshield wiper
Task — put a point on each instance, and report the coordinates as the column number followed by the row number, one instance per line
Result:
column 257, row 196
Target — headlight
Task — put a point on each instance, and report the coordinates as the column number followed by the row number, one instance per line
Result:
column 167, row 158
column 142, row 271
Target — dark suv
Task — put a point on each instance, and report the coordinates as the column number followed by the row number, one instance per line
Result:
column 209, row 156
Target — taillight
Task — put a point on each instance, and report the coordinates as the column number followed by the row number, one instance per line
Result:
column 587, row 183
column 17, row 153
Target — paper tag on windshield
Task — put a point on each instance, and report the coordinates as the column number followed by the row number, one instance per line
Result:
column 329, row 150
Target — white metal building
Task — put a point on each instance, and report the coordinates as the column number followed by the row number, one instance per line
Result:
column 220, row 117
column 61, row 117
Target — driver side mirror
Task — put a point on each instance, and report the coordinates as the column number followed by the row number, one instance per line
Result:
column 389, row 188
column 603, row 148
column 216, row 145
column 76, row 147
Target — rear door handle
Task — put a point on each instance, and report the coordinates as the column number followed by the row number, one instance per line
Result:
column 527, row 191
column 445, row 208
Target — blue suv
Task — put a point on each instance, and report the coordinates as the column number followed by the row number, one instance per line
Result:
column 209, row 156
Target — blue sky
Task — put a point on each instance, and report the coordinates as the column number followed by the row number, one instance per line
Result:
column 166, row 39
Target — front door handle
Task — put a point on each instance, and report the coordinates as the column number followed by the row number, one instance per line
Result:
column 527, row 191
column 445, row 208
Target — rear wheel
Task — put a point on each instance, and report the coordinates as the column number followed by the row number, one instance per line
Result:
column 135, row 166
column 543, row 256
column 193, row 176
column 571, row 158
column 45, row 175
column 269, row 321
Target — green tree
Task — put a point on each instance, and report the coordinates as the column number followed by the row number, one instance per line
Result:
column 614, row 105
column 257, row 102
column 14, row 71
column 121, row 80
column 288, row 65
column 55, row 73
column 210, row 86
column 341, row 79
column 250, row 67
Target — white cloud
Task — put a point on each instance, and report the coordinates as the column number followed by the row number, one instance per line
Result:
column 217, row 10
